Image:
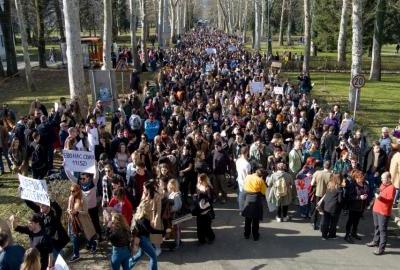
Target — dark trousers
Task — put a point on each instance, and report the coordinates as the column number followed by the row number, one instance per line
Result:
column 352, row 222
column 219, row 183
column 381, row 225
column 282, row 211
column 251, row 225
column 204, row 230
column 316, row 214
column 94, row 216
column 328, row 226
column 39, row 173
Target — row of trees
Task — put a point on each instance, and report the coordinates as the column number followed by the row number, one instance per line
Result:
column 372, row 24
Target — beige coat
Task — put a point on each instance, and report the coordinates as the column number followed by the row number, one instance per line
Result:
column 395, row 170
column 84, row 218
column 151, row 210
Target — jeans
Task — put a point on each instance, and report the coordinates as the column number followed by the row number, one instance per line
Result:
column 381, row 225
column 305, row 210
column 396, row 197
column 219, row 185
column 373, row 184
column 241, row 198
column 147, row 248
column 328, row 226
column 75, row 243
column 120, row 257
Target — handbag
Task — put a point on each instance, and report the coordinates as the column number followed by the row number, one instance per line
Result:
column 318, row 207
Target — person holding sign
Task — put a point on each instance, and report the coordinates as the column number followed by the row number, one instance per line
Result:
column 38, row 238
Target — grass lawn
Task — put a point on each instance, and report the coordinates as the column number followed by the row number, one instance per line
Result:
column 379, row 105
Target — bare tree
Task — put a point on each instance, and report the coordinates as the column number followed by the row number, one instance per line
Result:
column 24, row 41
column 289, row 23
column 133, row 20
column 375, row 73
column 307, row 36
column 257, row 26
column 172, row 9
column 107, row 35
column 8, row 35
column 74, row 54
column 143, row 38
column 41, row 45
column 160, row 32
column 356, row 50
column 341, row 57
column 281, row 23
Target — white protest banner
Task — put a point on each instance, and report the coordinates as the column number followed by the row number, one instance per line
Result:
column 60, row 264
column 211, row 51
column 33, row 190
column 278, row 90
column 232, row 48
column 303, row 187
column 256, row 87
column 79, row 161
column 209, row 67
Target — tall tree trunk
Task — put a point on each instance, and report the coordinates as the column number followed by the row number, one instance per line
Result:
column 289, row 24
column 244, row 22
column 74, row 54
column 172, row 9
column 281, row 23
column 221, row 23
column 356, row 50
column 24, row 42
column 39, row 5
column 8, row 35
column 60, row 23
column 257, row 27
column 143, row 40
column 375, row 74
column 133, row 20
column 185, row 16
column 307, row 36
column 114, row 19
column 179, row 18
column 263, row 8
column 269, row 36
column 341, row 57
column 107, row 35
column 160, row 32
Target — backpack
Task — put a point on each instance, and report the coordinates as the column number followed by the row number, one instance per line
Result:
column 281, row 188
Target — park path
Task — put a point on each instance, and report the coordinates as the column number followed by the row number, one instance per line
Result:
column 289, row 245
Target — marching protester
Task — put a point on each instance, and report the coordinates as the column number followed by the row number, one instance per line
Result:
column 206, row 121
column 254, row 188
column 381, row 213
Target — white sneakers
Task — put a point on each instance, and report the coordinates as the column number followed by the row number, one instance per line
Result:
column 285, row 219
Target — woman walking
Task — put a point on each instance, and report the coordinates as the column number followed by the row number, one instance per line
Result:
column 120, row 238
column 357, row 195
column 332, row 204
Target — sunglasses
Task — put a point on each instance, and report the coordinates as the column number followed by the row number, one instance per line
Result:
column 107, row 170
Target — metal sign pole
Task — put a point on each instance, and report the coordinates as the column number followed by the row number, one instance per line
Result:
column 355, row 104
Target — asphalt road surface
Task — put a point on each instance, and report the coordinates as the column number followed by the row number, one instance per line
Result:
column 286, row 245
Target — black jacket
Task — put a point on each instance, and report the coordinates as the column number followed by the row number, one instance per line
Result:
column 52, row 224
column 333, row 201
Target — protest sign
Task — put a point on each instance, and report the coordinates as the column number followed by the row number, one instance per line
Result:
column 33, row 190
column 232, row 48
column 303, row 187
column 79, row 161
column 211, row 51
column 209, row 67
column 278, row 90
column 256, row 87
column 60, row 264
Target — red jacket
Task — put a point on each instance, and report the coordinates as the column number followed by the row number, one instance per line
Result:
column 383, row 204
column 126, row 208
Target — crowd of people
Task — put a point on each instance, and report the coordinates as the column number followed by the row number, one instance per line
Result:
column 204, row 133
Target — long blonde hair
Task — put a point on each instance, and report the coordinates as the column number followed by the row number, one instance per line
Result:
column 119, row 222
column 31, row 260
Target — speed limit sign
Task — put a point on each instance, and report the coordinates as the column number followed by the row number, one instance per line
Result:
column 358, row 81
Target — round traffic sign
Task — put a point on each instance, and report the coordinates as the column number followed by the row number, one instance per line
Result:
column 358, row 81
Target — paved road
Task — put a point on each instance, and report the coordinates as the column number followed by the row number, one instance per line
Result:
column 290, row 245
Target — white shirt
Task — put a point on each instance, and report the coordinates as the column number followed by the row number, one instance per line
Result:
column 243, row 168
column 93, row 138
